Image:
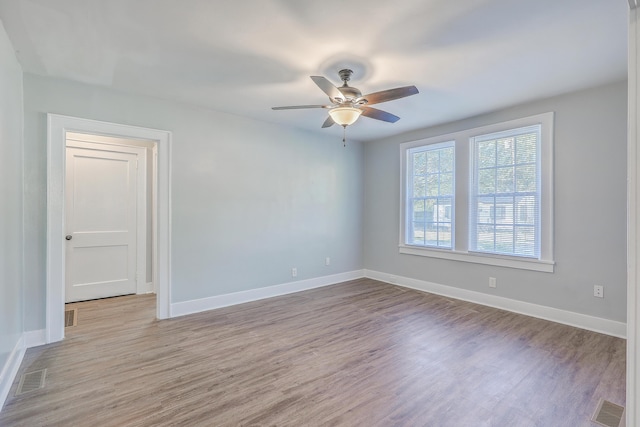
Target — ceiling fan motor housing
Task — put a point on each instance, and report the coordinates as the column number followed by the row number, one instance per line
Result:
column 350, row 93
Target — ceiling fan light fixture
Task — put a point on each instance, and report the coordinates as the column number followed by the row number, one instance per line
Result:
column 345, row 116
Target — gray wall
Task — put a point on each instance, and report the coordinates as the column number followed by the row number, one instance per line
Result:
column 11, row 247
column 590, row 209
column 250, row 200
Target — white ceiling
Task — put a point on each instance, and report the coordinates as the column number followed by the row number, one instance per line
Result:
column 243, row 57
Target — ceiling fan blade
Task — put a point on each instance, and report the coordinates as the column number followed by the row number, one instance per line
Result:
column 297, row 107
column 327, row 87
column 328, row 123
column 374, row 113
column 390, row 94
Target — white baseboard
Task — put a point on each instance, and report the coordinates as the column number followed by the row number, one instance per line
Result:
column 219, row 301
column 35, row 338
column 583, row 321
column 10, row 370
column 147, row 288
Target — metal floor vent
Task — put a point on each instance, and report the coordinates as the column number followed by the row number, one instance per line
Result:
column 31, row 381
column 70, row 317
column 608, row 414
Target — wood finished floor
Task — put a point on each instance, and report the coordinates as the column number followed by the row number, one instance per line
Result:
column 361, row 353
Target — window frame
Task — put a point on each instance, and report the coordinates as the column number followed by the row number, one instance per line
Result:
column 464, row 164
column 496, row 213
column 409, row 185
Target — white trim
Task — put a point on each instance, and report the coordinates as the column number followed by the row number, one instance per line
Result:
column 479, row 258
column 35, row 338
column 10, row 370
column 583, row 321
column 154, row 218
column 56, row 139
column 219, row 301
column 633, row 228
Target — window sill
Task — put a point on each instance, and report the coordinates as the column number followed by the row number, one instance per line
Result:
column 477, row 258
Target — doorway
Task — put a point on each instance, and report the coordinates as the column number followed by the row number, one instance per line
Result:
column 108, row 193
column 62, row 128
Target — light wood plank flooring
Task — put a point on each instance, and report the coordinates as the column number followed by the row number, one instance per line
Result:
column 361, row 353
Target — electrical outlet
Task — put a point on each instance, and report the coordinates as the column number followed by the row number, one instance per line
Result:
column 327, row 261
column 294, row 272
column 492, row 282
column 598, row 291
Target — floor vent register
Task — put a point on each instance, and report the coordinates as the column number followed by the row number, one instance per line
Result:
column 608, row 414
column 31, row 381
column 70, row 317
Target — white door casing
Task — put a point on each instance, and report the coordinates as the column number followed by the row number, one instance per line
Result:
column 105, row 219
column 632, row 410
column 57, row 128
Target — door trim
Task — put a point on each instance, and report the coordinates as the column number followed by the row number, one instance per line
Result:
column 57, row 127
column 633, row 224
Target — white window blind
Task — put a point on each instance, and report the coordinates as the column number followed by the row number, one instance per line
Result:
column 431, row 195
column 506, row 193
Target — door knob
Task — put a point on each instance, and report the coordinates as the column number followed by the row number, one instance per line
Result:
column 69, row 237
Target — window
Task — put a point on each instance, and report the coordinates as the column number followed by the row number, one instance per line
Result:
column 430, row 195
column 482, row 195
column 504, row 211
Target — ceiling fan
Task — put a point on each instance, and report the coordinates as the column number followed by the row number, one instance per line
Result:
column 348, row 103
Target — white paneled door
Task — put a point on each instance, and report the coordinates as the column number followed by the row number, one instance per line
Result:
column 102, row 183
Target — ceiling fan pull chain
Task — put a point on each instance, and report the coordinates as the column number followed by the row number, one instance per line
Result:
column 344, row 136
